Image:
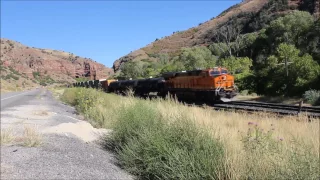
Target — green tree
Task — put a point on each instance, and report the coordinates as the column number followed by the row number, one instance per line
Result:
column 197, row 58
column 240, row 67
column 290, row 28
column 219, row 49
column 236, row 65
column 174, row 65
column 164, row 58
column 304, row 70
column 311, row 44
column 287, row 53
column 131, row 70
column 288, row 73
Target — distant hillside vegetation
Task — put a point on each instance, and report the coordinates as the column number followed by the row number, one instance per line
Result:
column 271, row 46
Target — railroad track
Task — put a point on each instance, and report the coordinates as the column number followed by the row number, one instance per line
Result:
column 280, row 109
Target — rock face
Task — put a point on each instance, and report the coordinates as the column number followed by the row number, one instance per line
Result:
column 58, row 65
column 248, row 11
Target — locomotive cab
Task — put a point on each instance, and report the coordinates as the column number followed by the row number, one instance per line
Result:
column 223, row 83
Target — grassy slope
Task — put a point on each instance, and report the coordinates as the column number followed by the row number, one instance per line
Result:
column 161, row 139
column 12, row 80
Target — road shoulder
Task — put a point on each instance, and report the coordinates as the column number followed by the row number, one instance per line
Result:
column 62, row 145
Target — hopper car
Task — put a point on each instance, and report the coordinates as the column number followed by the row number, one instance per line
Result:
column 212, row 84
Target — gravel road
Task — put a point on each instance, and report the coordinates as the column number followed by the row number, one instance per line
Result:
column 67, row 146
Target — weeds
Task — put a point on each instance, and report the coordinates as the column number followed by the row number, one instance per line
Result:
column 7, row 136
column 162, row 139
column 31, row 137
column 312, row 96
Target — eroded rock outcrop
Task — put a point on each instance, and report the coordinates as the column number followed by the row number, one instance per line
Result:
column 59, row 65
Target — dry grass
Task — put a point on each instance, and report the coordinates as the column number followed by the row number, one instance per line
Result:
column 30, row 137
column 7, row 136
column 291, row 133
column 41, row 113
column 256, row 146
column 56, row 92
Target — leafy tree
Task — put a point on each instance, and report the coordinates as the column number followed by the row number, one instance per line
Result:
column 287, row 72
column 304, row 71
column 290, row 28
column 219, row 49
column 246, row 44
column 197, row 57
column 131, row 70
column 240, row 68
column 164, row 59
column 312, row 43
column 285, row 54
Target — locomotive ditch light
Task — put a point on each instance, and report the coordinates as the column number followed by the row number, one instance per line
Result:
column 225, row 99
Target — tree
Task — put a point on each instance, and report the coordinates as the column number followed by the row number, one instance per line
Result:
column 240, row 67
column 219, row 49
column 237, row 65
column 286, row 53
column 312, row 43
column 293, row 78
column 164, row 59
column 290, row 28
column 304, row 70
column 229, row 34
column 197, row 58
column 131, row 70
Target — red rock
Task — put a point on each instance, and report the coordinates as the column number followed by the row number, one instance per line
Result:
column 54, row 63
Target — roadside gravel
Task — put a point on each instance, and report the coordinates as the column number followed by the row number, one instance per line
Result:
column 67, row 149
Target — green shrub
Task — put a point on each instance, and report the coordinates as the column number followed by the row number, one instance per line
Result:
column 312, row 97
column 69, row 96
column 153, row 145
column 152, row 149
column 147, row 145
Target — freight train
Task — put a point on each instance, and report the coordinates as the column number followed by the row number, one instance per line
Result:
column 212, row 84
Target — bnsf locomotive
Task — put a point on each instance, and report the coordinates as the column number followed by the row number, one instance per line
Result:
column 213, row 84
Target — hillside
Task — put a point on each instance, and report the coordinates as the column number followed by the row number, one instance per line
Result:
column 23, row 66
column 252, row 14
column 249, row 39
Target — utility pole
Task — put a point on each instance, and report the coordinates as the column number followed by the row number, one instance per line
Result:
column 286, row 63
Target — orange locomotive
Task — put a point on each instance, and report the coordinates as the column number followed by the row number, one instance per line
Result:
column 211, row 84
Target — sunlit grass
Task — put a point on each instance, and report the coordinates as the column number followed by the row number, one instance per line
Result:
column 164, row 139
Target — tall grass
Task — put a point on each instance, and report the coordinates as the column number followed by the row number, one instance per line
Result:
column 162, row 139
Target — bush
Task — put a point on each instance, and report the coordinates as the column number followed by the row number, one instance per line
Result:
column 312, row 97
column 151, row 149
column 69, row 96
column 161, row 139
column 148, row 144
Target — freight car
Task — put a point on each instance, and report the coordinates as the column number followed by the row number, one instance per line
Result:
column 212, row 84
column 140, row 87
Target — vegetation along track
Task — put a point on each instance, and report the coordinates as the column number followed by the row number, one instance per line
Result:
column 281, row 109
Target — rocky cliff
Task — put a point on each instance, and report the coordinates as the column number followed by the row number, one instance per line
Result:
column 58, row 66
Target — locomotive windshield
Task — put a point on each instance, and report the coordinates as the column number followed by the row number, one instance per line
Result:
column 215, row 73
column 224, row 71
column 218, row 71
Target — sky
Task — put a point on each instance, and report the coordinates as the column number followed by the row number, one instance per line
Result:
column 101, row 30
